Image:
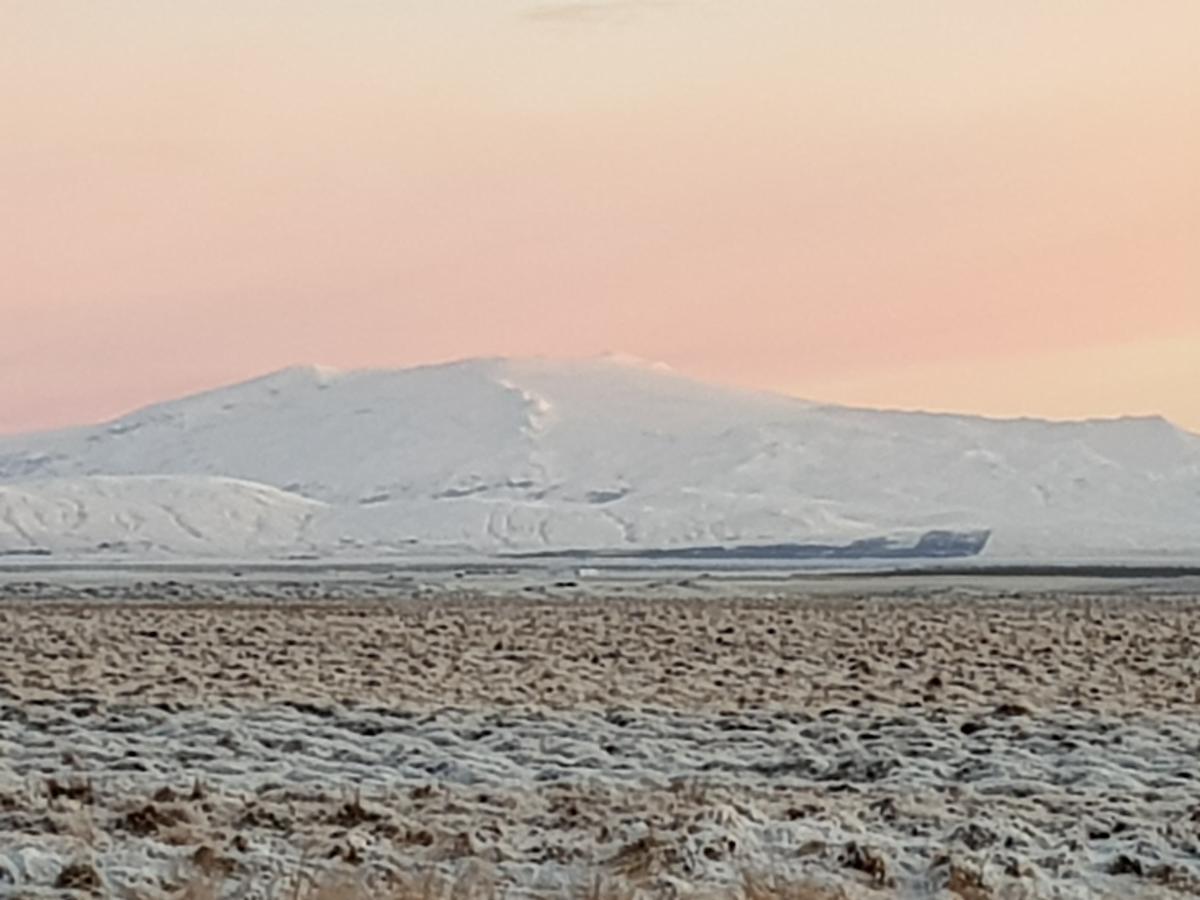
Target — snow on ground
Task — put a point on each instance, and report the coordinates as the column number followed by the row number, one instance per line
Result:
column 1045, row 747
column 509, row 455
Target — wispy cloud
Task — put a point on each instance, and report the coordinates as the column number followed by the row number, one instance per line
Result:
column 592, row 12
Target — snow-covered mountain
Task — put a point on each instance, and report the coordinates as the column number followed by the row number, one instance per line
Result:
column 604, row 454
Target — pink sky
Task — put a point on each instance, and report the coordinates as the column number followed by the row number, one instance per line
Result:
column 989, row 207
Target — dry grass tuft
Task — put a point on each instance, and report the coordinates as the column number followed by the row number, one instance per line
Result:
column 82, row 792
column 78, row 876
column 352, row 813
column 967, row 884
column 601, row 889
column 473, row 885
column 760, row 888
column 202, row 887
column 870, row 862
column 150, row 819
column 644, row 859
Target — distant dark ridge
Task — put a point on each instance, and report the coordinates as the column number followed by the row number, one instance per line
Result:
column 931, row 545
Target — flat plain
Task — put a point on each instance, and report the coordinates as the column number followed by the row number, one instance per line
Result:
column 909, row 746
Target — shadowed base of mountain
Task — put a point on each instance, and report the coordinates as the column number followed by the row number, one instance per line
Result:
column 931, row 545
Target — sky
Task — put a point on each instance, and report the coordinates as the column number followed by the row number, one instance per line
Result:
column 988, row 207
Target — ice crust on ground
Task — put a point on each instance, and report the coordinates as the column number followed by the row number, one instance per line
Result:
column 1047, row 745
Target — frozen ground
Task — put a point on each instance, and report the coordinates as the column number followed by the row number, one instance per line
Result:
column 980, row 744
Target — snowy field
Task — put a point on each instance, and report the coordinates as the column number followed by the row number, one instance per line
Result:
column 878, row 740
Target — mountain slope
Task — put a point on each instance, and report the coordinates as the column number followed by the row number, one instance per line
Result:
column 522, row 455
column 152, row 516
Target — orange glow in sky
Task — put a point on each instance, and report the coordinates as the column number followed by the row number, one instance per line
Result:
column 981, row 206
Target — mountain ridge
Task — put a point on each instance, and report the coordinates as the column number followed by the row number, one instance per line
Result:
column 322, row 374
column 601, row 454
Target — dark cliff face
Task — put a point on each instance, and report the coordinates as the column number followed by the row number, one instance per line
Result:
column 931, row 545
column 950, row 544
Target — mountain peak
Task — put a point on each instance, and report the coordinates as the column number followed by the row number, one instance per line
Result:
column 602, row 452
column 630, row 360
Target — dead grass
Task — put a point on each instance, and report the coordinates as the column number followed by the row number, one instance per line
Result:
column 1131, row 653
column 78, row 876
column 762, row 888
column 994, row 663
column 476, row 885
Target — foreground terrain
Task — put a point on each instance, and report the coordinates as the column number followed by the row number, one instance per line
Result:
column 855, row 746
